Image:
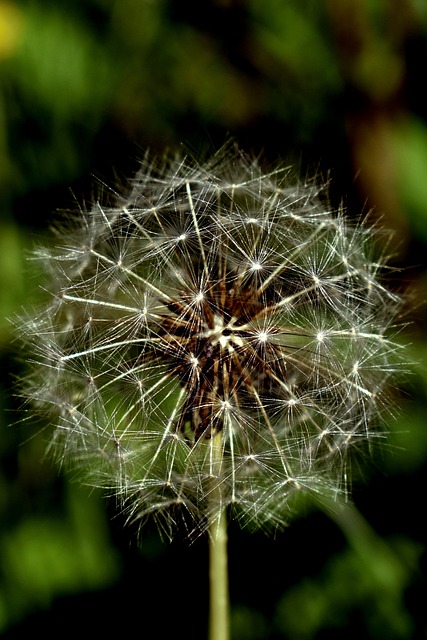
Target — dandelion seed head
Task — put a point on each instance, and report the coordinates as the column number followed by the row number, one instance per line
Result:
column 224, row 327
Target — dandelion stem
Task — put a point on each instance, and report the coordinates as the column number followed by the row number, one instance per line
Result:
column 218, row 564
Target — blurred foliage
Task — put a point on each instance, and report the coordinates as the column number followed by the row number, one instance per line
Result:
column 46, row 556
column 331, row 84
column 411, row 153
column 11, row 271
column 364, row 586
column 352, row 587
column 56, row 81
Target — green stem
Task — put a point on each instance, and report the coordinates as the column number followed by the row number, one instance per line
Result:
column 218, row 565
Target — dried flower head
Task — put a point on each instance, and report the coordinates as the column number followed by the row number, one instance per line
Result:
column 216, row 337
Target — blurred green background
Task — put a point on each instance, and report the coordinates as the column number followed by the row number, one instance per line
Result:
column 335, row 87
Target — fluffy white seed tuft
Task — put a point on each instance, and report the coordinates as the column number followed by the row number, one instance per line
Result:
column 213, row 301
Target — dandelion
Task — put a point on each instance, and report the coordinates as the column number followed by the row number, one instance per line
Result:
column 216, row 340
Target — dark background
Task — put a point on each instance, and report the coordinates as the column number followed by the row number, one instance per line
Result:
column 334, row 87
